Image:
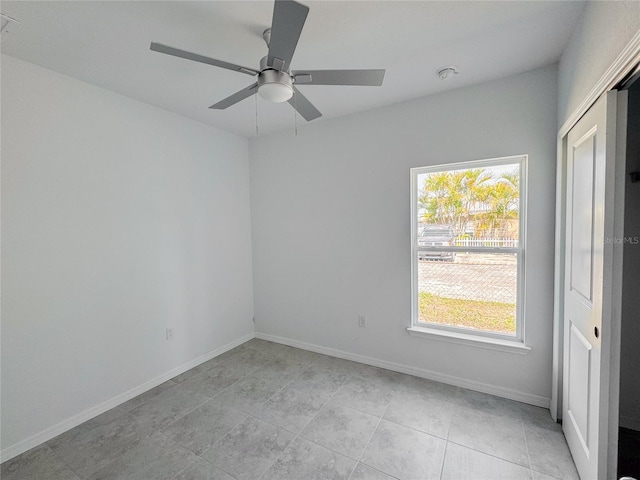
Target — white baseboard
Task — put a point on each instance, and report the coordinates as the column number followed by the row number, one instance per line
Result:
column 523, row 397
column 39, row 438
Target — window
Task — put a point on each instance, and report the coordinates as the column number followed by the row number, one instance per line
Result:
column 467, row 224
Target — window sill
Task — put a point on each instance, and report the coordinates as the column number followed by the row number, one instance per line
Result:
column 511, row 346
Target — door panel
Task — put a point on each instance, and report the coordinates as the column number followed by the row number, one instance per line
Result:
column 583, row 409
column 582, row 215
column 578, row 408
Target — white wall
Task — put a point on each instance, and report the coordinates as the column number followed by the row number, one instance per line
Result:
column 330, row 225
column 629, row 377
column 603, row 32
column 118, row 220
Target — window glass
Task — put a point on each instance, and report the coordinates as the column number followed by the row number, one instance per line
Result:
column 467, row 251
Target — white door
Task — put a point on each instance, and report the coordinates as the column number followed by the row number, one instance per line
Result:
column 590, row 159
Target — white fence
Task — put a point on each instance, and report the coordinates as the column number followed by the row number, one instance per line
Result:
column 486, row 242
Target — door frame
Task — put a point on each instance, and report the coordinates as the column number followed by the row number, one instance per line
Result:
column 624, row 66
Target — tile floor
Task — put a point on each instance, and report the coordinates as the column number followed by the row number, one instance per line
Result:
column 265, row 411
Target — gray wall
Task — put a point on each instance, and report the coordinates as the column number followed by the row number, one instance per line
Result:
column 330, row 224
column 118, row 220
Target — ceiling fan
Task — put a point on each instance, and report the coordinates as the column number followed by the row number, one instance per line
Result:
column 276, row 81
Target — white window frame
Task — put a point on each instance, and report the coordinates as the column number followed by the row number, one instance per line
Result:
column 480, row 338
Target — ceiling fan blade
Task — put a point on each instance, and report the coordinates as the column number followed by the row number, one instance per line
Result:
column 236, row 97
column 286, row 26
column 176, row 52
column 371, row 78
column 303, row 106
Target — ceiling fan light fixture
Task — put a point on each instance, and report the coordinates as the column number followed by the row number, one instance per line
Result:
column 275, row 86
column 275, row 92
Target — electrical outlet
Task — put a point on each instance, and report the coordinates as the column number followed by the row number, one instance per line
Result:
column 169, row 333
column 362, row 321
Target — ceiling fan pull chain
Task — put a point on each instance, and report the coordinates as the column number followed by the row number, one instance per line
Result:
column 295, row 115
column 257, row 131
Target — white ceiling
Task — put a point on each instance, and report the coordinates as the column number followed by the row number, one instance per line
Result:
column 106, row 43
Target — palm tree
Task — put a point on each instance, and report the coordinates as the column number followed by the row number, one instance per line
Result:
column 450, row 198
column 474, row 196
column 502, row 200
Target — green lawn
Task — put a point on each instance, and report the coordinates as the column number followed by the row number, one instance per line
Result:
column 494, row 316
